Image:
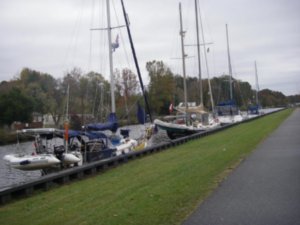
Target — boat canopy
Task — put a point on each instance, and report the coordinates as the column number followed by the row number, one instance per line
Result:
column 46, row 133
column 36, row 131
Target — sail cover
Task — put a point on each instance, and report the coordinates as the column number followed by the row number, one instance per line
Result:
column 141, row 116
column 111, row 124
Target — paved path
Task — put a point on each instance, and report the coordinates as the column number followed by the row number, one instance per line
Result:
column 264, row 189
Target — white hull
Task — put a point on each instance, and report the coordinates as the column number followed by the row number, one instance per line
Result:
column 31, row 162
column 71, row 158
column 230, row 119
column 126, row 145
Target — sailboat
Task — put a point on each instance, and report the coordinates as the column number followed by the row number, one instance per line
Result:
column 122, row 143
column 190, row 117
column 228, row 112
column 253, row 110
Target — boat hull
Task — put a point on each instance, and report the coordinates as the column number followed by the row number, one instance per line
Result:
column 28, row 162
column 177, row 130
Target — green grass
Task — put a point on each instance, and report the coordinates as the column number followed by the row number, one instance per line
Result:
column 159, row 189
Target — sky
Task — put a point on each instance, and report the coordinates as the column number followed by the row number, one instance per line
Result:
column 53, row 37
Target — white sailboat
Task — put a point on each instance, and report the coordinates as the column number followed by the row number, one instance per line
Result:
column 254, row 110
column 191, row 118
column 123, row 145
column 228, row 111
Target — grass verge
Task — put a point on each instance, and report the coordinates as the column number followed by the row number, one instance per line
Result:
column 158, row 189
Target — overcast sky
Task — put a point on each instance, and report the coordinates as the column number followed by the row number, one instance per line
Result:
column 53, row 36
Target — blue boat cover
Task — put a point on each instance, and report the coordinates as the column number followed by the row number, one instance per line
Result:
column 227, row 103
column 111, row 124
column 94, row 135
column 254, row 109
column 141, row 116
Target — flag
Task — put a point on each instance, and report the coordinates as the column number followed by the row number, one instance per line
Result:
column 115, row 44
column 171, row 108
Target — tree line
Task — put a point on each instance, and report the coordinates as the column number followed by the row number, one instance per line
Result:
column 89, row 94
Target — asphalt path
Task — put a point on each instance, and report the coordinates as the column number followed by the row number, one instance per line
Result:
column 264, row 189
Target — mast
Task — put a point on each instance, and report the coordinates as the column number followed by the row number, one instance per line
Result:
column 66, row 124
column 182, row 33
column 207, row 70
column 135, row 60
column 229, row 64
column 256, row 83
column 198, row 51
column 112, row 80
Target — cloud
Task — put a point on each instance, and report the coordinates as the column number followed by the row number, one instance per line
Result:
column 53, row 36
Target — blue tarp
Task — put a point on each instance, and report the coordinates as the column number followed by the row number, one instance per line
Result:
column 253, row 109
column 94, row 135
column 111, row 124
column 141, row 116
column 227, row 103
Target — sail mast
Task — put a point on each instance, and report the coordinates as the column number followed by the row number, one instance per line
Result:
column 229, row 64
column 206, row 63
column 66, row 123
column 256, row 82
column 182, row 33
column 112, row 80
column 136, row 61
column 198, row 51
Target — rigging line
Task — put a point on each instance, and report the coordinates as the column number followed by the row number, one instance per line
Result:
column 73, row 34
column 205, row 57
column 91, row 36
column 130, row 109
column 79, row 22
column 103, row 65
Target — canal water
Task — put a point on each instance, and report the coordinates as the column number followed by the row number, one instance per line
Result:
column 10, row 176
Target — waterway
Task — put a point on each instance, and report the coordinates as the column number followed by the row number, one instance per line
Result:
column 10, row 176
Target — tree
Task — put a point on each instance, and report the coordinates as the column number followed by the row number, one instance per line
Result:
column 127, row 89
column 161, row 86
column 15, row 106
column 97, row 96
column 272, row 98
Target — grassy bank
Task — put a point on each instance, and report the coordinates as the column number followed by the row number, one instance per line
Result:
column 158, row 189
